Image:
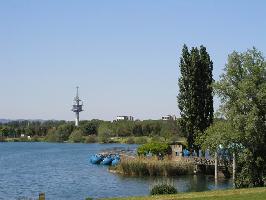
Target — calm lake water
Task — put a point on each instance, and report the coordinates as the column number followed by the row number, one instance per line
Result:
column 63, row 172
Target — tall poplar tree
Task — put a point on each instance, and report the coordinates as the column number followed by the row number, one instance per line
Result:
column 195, row 99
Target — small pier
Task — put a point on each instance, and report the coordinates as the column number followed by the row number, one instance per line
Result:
column 202, row 164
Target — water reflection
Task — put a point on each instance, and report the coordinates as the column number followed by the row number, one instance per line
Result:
column 63, row 172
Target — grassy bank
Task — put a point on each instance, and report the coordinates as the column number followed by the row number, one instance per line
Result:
column 153, row 167
column 241, row 194
column 24, row 139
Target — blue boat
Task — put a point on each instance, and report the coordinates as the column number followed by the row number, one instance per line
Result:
column 116, row 160
column 186, row 153
column 107, row 160
column 96, row 159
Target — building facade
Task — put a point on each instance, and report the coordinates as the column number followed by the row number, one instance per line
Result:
column 124, row 118
column 168, row 117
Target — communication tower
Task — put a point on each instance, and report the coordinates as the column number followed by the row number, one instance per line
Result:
column 77, row 107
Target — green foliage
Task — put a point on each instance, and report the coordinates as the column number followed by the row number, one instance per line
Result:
column 169, row 129
column 219, row 133
column 195, row 99
column 91, row 139
column 130, row 140
column 163, row 188
column 104, row 132
column 64, row 131
column 141, row 140
column 76, row 136
column 248, row 169
column 35, row 139
column 154, row 148
column 123, row 128
column 14, row 129
column 53, row 136
column 102, row 129
column 90, row 127
column 242, row 89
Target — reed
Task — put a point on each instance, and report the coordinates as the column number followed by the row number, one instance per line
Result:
column 141, row 166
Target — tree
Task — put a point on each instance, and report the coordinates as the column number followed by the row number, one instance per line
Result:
column 64, row 131
column 169, row 129
column 76, row 136
column 104, row 132
column 90, row 127
column 220, row 133
column 123, row 128
column 195, row 99
column 242, row 90
column 53, row 136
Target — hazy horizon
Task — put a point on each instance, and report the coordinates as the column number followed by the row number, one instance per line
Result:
column 123, row 55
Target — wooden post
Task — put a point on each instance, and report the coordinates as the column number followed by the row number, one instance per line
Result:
column 234, row 166
column 216, row 167
column 42, row 196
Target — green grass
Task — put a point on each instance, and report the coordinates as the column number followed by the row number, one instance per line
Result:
column 240, row 194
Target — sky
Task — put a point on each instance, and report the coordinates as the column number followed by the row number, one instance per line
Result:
column 124, row 55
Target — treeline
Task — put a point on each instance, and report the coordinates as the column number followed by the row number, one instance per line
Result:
column 91, row 131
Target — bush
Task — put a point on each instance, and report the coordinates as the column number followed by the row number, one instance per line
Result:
column 91, row 139
column 141, row 140
column 104, row 133
column 130, row 140
column 155, row 148
column 76, row 136
column 163, row 188
column 53, row 136
column 103, row 139
column 35, row 138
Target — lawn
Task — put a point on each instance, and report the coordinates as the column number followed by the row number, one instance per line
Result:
column 240, row 194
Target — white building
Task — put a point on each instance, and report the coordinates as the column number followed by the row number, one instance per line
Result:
column 124, row 118
column 168, row 117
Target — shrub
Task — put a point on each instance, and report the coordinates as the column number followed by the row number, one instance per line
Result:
column 130, row 140
column 76, row 136
column 155, row 148
column 35, row 138
column 104, row 133
column 53, row 136
column 103, row 139
column 141, row 140
column 163, row 188
column 91, row 139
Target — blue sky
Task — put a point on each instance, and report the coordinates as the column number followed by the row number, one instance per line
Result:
column 123, row 54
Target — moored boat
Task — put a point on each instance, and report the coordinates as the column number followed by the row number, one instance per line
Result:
column 96, row 159
column 116, row 160
column 107, row 160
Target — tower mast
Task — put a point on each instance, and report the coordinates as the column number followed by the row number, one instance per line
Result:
column 77, row 107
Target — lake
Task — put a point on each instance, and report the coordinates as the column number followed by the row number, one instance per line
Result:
column 63, row 172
